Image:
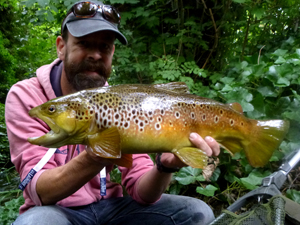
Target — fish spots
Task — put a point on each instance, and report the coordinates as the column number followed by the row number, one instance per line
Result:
column 216, row 119
column 203, row 117
column 231, row 121
column 177, row 115
column 193, row 115
column 157, row 126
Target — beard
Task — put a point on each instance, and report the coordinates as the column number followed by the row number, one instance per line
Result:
column 79, row 80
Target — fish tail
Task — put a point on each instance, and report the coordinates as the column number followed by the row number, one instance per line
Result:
column 267, row 137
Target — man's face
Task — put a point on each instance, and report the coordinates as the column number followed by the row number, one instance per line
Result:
column 88, row 59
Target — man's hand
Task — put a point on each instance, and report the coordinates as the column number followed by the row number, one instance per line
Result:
column 153, row 183
column 208, row 144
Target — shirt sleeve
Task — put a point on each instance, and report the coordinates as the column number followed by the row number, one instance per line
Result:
column 20, row 126
column 141, row 164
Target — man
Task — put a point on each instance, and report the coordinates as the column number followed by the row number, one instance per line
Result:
column 66, row 190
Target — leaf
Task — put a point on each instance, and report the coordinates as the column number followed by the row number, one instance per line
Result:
column 188, row 175
column 280, row 52
column 30, row 3
column 258, row 13
column 209, row 190
column 266, row 91
column 280, row 60
column 50, row 17
column 294, row 195
column 254, row 179
column 283, row 82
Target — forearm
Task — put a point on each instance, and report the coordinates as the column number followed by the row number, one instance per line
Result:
column 153, row 184
column 58, row 183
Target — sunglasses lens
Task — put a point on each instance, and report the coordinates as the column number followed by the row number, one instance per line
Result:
column 85, row 9
column 111, row 14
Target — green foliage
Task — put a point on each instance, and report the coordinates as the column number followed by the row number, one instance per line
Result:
column 4, row 145
column 294, row 195
column 232, row 51
column 10, row 210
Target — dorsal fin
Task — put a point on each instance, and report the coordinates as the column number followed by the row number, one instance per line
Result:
column 237, row 107
column 178, row 87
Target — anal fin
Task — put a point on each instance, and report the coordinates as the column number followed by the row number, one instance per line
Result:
column 125, row 160
column 192, row 156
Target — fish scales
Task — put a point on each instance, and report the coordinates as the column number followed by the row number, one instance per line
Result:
column 157, row 118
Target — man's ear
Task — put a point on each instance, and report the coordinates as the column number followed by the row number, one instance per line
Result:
column 60, row 47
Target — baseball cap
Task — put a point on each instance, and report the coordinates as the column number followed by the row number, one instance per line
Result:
column 79, row 27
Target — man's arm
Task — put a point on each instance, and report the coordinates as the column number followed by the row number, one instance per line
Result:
column 58, row 183
column 153, row 183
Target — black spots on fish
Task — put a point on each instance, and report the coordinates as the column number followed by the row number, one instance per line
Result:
column 157, row 126
column 177, row 115
column 117, row 116
column 104, row 122
column 193, row 115
column 126, row 125
column 242, row 123
column 203, row 117
column 221, row 112
column 105, row 107
column 216, row 119
column 159, row 119
column 162, row 112
column 231, row 121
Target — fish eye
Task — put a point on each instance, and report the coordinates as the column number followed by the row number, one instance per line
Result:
column 51, row 109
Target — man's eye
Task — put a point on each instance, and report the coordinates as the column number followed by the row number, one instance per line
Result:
column 84, row 43
column 105, row 47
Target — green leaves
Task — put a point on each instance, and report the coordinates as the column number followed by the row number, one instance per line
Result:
column 209, row 190
column 294, row 195
column 189, row 175
column 254, row 179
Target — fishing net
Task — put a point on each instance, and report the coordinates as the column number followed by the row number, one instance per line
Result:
column 271, row 213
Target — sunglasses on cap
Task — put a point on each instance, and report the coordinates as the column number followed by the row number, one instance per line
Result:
column 89, row 9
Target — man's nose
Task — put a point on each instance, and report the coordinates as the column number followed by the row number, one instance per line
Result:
column 95, row 54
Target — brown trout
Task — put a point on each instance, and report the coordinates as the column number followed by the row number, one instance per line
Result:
column 121, row 120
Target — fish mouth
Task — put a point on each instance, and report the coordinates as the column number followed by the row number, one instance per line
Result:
column 54, row 138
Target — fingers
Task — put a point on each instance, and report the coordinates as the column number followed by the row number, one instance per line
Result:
column 209, row 145
column 214, row 145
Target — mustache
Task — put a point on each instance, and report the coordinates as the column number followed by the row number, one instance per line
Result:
column 88, row 65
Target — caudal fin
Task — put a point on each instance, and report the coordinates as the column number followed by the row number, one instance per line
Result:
column 268, row 136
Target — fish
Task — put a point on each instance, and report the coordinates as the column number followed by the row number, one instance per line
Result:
column 121, row 120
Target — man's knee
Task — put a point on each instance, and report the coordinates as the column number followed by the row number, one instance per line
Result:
column 199, row 211
column 43, row 215
column 189, row 210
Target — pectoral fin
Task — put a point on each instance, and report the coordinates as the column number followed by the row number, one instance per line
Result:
column 106, row 144
column 191, row 156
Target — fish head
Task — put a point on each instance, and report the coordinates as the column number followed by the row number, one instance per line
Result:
column 61, row 115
